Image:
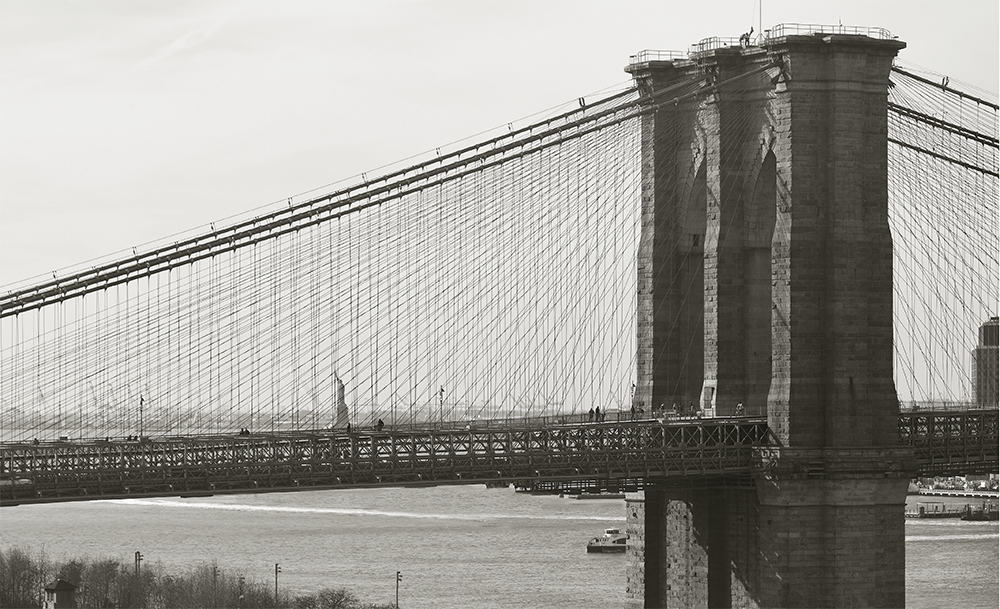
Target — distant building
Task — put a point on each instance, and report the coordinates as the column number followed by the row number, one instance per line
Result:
column 986, row 365
column 60, row 594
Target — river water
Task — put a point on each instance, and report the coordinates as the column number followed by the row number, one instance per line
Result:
column 461, row 546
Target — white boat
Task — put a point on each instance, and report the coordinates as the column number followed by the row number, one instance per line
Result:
column 613, row 540
column 601, row 496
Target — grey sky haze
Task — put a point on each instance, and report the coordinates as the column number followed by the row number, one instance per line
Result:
column 124, row 122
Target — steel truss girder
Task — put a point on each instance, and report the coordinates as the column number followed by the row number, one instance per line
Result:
column 635, row 449
column 952, row 443
column 943, row 442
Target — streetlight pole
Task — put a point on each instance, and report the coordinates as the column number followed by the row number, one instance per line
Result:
column 277, row 569
column 138, row 570
column 399, row 578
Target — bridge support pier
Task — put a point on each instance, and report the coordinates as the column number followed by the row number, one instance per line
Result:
column 830, row 527
column 691, row 547
column 789, row 142
column 814, row 530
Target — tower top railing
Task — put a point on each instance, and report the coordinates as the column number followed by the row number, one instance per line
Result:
column 804, row 29
column 782, row 29
column 711, row 43
column 647, row 55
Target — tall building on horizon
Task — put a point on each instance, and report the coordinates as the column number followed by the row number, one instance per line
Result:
column 986, row 365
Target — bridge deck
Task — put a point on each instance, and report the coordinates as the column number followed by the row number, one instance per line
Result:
column 943, row 442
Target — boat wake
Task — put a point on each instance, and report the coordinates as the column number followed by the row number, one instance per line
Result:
column 960, row 537
column 237, row 507
column 948, row 522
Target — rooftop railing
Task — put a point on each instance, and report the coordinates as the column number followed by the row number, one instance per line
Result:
column 802, row 29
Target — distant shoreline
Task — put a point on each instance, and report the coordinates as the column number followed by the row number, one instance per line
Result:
column 941, row 492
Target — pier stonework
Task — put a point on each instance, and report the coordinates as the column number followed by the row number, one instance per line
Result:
column 787, row 184
column 669, row 306
column 740, row 222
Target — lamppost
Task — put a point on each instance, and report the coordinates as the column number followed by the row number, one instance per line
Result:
column 277, row 569
column 138, row 580
column 399, row 578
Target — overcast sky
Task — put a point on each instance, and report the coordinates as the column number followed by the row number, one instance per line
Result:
column 123, row 122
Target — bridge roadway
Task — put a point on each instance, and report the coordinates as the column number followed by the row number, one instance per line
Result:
column 562, row 449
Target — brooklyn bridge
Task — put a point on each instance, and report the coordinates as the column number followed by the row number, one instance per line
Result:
column 744, row 288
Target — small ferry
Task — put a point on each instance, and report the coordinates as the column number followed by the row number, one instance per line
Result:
column 613, row 540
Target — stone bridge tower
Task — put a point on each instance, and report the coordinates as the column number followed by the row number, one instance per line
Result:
column 765, row 278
